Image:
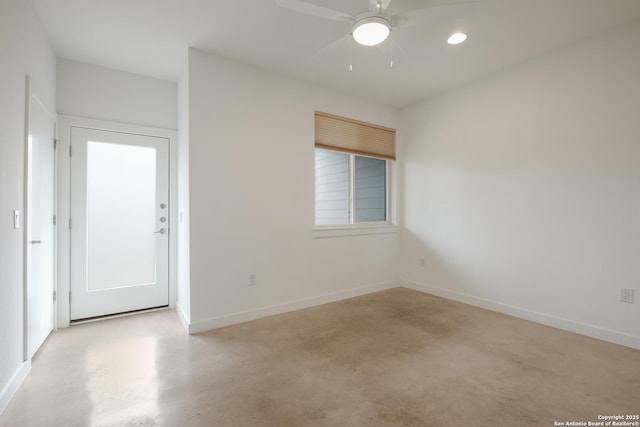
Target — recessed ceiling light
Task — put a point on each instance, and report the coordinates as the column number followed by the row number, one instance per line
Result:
column 457, row 38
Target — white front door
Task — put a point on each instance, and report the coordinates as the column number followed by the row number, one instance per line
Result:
column 119, row 222
column 40, row 255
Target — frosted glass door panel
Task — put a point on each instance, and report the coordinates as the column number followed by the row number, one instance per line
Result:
column 121, row 215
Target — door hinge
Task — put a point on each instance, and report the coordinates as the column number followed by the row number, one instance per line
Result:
column 55, row 143
column 69, row 297
column 69, row 223
column 55, row 296
column 55, row 220
column 69, row 151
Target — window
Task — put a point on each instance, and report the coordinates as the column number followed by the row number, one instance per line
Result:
column 351, row 171
column 349, row 188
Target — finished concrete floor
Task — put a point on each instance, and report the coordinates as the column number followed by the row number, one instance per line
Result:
column 393, row 358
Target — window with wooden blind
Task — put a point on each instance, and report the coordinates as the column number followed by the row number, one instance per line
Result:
column 352, row 171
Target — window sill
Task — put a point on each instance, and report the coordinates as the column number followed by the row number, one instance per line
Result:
column 353, row 230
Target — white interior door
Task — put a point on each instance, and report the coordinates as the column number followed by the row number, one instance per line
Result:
column 119, row 222
column 40, row 248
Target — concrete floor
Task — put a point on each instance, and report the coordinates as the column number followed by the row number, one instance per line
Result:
column 394, row 358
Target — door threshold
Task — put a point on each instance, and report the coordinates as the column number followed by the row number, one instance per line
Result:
column 116, row 315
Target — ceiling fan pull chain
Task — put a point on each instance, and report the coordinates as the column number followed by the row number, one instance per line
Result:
column 350, row 56
column 390, row 56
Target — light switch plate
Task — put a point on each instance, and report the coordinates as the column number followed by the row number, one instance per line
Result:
column 16, row 220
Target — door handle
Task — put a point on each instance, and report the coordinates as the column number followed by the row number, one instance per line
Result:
column 161, row 231
column 35, row 242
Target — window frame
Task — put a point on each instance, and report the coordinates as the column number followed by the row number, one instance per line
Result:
column 359, row 228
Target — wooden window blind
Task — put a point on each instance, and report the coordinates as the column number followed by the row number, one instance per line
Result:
column 355, row 137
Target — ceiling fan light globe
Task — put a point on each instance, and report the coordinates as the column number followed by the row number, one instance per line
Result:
column 371, row 31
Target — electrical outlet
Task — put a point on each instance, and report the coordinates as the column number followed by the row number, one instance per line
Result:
column 626, row 295
column 252, row 280
column 421, row 262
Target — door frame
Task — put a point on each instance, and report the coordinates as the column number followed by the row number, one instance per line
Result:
column 31, row 92
column 66, row 122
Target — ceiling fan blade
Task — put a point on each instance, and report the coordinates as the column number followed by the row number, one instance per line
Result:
column 312, row 9
column 328, row 47
column 434, row 14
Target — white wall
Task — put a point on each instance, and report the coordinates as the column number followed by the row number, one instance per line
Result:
column 101, row 93
column 251, row 180
column 522, row 191
column 183, row 303
column 24, row 50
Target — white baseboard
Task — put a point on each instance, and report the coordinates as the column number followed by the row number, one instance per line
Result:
column 592, row 331
column 183, row 316
column 14, row 383
column 246, row 316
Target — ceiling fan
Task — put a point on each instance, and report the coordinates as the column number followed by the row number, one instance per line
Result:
column 374, row 25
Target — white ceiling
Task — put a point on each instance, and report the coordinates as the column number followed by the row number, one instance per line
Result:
column 150, row 37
